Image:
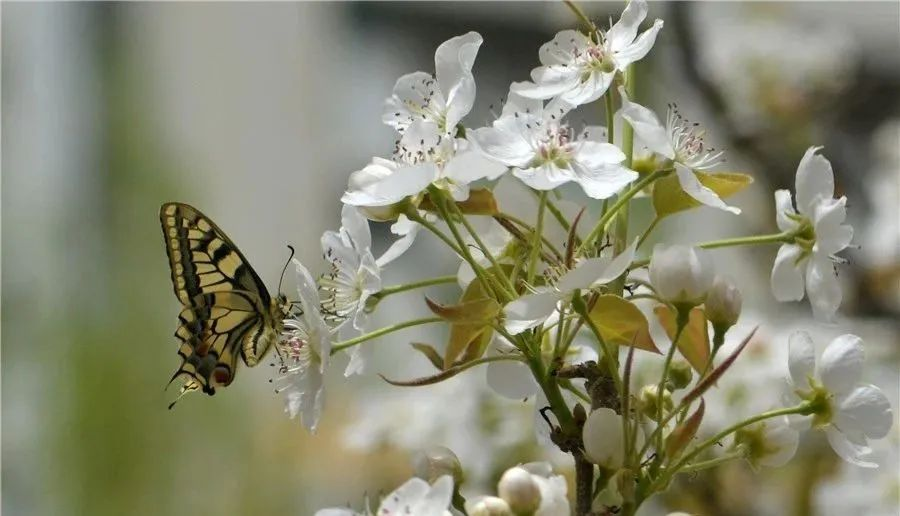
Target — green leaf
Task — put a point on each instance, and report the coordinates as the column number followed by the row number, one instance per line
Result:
column 621, row 322
column 470, row 329
column 430, row 353
column 694, row 341
column 481, row 201
column 477, row 310
column 669, row 198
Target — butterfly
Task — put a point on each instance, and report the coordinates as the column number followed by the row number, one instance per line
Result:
column 227, row 314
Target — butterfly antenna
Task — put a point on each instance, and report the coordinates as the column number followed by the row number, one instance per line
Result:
column 285, row 267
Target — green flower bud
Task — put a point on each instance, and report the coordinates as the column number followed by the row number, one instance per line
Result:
column 649, row 401
column 680, row 375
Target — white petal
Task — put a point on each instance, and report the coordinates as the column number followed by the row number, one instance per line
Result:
column 563, row 47
column 465, row 167
column 604, row 182
column 549, row 81
column 815, row 180
column 623, row 32
column 597, row 271
column 337, row 511
column 529, row 311
column 602, row 436
column 306, row 397
column 402, row 244
column 407, row 495
column 784, row 206
column 854, row 453
column 554, row 500
column 640, row 48
column 801, row 359
column 357, row 227
column 865, row 410
column 438, row 498
column 832, row 236
column 588, row 89
column 511, row 379
column 787, row 276
column 842, row 363
column 823, row 288
column 360, row 356
column 693, row 187
column 410, row 96
column 784, row 440
column 503, row 143
column 403, row 182
column 453, row 63
column 646, row 126
column 545, row 177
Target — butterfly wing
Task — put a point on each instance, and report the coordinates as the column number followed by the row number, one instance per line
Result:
column 226, row 310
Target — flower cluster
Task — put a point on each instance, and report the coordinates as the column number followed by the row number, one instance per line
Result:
column 556, row 303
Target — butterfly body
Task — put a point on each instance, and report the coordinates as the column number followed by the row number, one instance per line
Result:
column 227, row 314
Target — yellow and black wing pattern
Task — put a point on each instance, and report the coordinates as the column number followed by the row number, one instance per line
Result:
column 226, row 312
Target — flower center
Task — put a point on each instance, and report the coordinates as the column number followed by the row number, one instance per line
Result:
column 554, row 145
column 688, row 140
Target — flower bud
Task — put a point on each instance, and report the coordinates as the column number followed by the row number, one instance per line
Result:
column 650, row 401
column 437, row 461
column 520, row 491
column 723, row 304
column 488, row 506
column 603, row 439
column 680, row 375
column 681, row 274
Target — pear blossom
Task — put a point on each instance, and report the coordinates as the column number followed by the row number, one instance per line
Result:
column 488, row 506
column 545, row 152
column 519, row 488
column 553, row 489
column 579, row 70
column 534, row 309
column 423, row 156
column 443, row 98
column 304, row 352
column 806, row 263
column 849, row 412
column 680, row 141
column 415, row 496
column 723, row 303
column 681, row 274
column 771, row 443
column 603, row 438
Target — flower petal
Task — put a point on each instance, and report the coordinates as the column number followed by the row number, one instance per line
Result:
column 842, row 363
column 438, row 498
column 410, row 98
column 781, row 442
column 504, row 142
column 787, row 277
column 702, row 194
column 545, row 177
column 783, row 207
column 472, row 165
column 801, row 359
column 529, row 311
column 597, row 271
column 511, row 379
column 408, row 229
column 815, row 180
column 453, row 63
column 403, row 182
column 549, row 81
column 823, row 288
column 646, row 126
column 602, row 437
column 640, row 48
column 865, row 410
column 832, row 236
column 852, row 452
column 623, row 32
column 357, row 227
column 588, row 89
column 563, row 47
column 404, row 497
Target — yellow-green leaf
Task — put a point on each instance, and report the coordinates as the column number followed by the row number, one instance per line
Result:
column 621, row 322
column 477, row 310
column 684, row 432
column 430, row 353
column 669, row 198
column 469, row 337
column 694, row 341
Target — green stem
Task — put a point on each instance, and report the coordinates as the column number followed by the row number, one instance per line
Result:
column 682, row 318
column 340, row 346
column 647, row 231
column 588, row 24
column 503, row 280
column 706, row 464
column 414, row 216
column 396, row 289
column 536, row 240
column 621, row 202
column 777, row 238
column 803, row 408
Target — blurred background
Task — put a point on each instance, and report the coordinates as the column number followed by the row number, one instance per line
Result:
column 256, row 114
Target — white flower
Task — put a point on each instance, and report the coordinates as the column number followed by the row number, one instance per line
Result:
column 723, row 304
column 546, row 153
column 305, row 354
column 849, row 412
column 533, row 309
column 413, row 497
column 579, row 70
column 807, row 262
column 603, row 438
column 771, row 443
column 520, row 490
column 488, row 506
column 423, row 156
column 552, row 487
column 444, row 98
column 680, row 141
column 681, row 274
